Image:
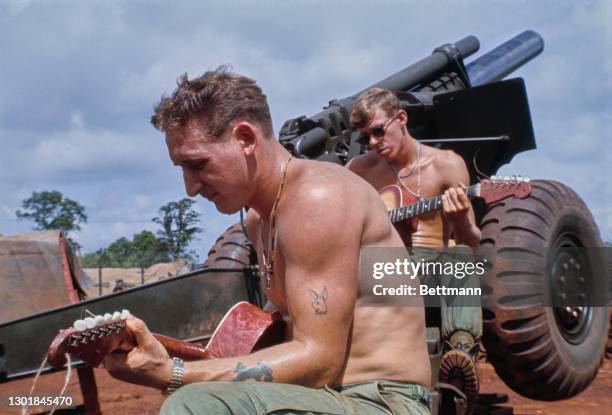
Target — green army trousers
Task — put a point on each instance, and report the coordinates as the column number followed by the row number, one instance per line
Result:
column 259, row 398
column 457, row 312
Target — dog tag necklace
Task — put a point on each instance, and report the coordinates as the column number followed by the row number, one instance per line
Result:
column 268, row 257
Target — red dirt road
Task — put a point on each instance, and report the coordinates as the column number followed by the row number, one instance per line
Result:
column 121, row 398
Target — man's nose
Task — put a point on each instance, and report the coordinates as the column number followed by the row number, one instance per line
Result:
column 193, row 186
column 374, row 141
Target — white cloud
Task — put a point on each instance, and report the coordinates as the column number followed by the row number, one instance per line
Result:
column 14, row 8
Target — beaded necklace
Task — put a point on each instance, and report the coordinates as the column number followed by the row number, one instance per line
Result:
column 399, row 177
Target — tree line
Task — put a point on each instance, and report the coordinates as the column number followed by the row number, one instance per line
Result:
column 178, row 227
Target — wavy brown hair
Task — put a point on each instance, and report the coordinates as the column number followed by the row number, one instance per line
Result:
column 215, row 100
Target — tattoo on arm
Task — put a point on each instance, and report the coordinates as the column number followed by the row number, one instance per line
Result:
column 260, row 372
column 319, row 301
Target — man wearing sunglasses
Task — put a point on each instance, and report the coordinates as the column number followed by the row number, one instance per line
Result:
column 397, row 158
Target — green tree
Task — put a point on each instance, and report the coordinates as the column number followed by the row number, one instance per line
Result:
column 51, row 210
column 143, row 251
column 148, row 249
column 178, row 228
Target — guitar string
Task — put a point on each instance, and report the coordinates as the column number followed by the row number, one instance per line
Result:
column 24, row 408
column 66, row 382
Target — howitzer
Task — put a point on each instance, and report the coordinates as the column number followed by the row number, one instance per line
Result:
column 447, row 102
column 545, row 292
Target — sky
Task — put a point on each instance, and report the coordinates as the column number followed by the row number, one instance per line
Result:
column 79, row 80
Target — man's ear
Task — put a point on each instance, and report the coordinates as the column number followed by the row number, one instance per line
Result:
column 403, row 117
column 248, row 136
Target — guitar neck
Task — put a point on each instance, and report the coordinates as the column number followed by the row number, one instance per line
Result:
column 182, row 349
column 426, row 205
column 244, row 329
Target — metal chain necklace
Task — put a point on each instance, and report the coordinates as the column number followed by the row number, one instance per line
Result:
column 416, row 164
column 268, row 258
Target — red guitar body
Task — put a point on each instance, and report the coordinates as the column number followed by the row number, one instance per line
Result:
column 394, row 197
column 244, row 329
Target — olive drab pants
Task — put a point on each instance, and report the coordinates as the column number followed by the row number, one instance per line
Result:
column 457, row 312
column 378, row 397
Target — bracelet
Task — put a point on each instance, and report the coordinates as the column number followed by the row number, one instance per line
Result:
column 178, row 374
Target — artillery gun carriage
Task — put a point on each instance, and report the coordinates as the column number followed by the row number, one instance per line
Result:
column 545, row 294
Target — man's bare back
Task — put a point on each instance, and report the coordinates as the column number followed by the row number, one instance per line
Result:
column 350, row 209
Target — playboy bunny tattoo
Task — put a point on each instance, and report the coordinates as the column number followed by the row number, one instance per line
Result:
column 319, row 303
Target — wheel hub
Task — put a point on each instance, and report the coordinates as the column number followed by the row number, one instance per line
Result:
column 570, row 290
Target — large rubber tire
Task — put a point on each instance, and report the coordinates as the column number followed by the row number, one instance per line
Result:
column 530, row 347
column 231, row 250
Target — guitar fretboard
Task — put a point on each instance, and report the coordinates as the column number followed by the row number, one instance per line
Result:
column 425, row 206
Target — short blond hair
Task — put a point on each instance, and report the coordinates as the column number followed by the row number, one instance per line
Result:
column 371, row 100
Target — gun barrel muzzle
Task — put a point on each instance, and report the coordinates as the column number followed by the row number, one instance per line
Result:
column 506, row 58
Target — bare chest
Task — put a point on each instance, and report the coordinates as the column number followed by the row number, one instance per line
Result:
column 271, row 273
column 422, row 182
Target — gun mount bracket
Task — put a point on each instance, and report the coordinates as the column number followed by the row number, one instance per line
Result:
column 456, row 60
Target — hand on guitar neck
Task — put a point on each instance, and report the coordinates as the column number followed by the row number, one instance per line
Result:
column 121, row 340
column 146, row 354
column 404, row 209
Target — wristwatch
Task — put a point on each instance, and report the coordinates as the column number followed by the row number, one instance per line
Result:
column 178, row 374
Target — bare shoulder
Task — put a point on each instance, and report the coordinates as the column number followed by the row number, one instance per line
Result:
column 363, row 163
column 330, row 211
column 321, row 214
column 325, row 194
column 330, row 198
column 326, row 183
column 451, row 166
column 448, row 158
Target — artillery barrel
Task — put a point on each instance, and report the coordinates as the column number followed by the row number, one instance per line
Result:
column 308, row 143
column 308, row 136
column 505, row 58
column 426, row 68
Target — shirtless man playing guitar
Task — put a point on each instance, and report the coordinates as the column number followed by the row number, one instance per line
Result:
column 420, row 171
column 309, row 221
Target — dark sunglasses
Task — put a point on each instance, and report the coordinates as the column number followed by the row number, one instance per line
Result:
column 378, row 132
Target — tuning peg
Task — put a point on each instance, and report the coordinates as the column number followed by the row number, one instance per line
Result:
column 527, row 179
column 79, row 325
column 124, row 314
column 116, row 316
column 90, row 322
column 107, row 318
column 99, row 320
column 493, row 177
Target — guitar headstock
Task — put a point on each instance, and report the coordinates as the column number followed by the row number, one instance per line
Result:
column 90, row 339
column 499, row 188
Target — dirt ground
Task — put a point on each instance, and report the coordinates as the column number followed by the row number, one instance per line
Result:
column 125, row 399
